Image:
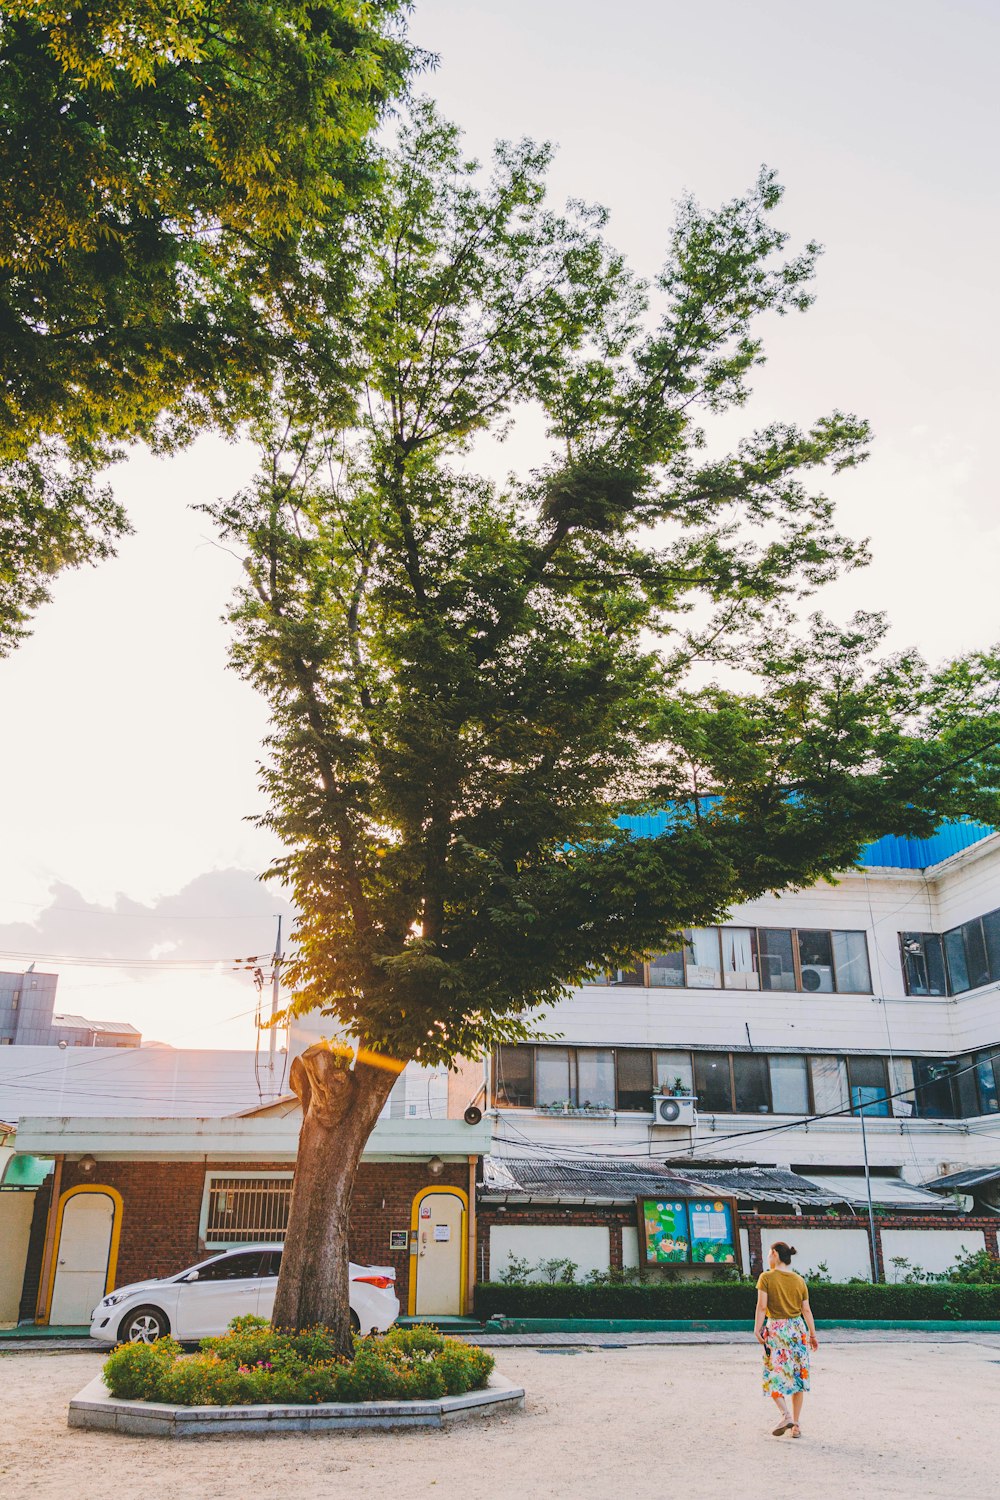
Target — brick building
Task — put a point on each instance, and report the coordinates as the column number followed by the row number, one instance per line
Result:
column 168, row 1192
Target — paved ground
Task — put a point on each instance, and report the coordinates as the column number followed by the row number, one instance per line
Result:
column 913, row 1416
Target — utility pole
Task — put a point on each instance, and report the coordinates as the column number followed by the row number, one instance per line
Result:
column 272, row 1036
column 868, row 1185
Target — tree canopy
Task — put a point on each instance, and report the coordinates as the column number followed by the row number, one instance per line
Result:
column 162, row 170
column 472, row 678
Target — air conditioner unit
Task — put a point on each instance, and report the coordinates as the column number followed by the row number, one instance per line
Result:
column 817, row 977
column 669, row 1109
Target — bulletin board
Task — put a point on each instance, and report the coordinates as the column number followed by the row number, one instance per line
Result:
column 688, row 1232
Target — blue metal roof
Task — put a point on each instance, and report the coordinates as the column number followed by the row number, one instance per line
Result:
column 917, row 854
column 890, row 851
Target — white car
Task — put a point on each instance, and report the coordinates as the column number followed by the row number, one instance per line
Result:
column 201, row 1301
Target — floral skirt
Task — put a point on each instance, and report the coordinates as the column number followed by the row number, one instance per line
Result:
column 786, row 1356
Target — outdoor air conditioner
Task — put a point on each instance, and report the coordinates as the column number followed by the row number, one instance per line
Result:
column 668, row 1109
column 817, row 977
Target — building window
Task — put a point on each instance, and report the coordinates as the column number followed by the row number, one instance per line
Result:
column 868, row 1085
column 703, row 958
column 739, row 958
column 964, row 958
column 789, row 1085
column 666, row 970
column 634, row 1071
column 552, row 1077
column 634, row 976
column 515, row 1082
column 816, row 962
column 595, row 1078
column 991, row 935
column 988, row 1079
column 904, row 1099
column 750, row 1084
column 673, row 1073
column 935, row 1100
column 625, row 1078
column 712, row 1082
column 964, row 1090
column 850, row 963
column 777, row 960
column 923, row 963
column 954, row 952
column 242, row 1207
column 829, row 1085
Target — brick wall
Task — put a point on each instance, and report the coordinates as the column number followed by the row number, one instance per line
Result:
column 162, row 1208
column 617, row 1218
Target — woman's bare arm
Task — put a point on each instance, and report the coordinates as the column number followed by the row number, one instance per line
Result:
column 807, row 1313
column 761, row 1314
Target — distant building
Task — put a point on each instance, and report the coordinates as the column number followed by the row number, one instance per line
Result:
column 28, row 1018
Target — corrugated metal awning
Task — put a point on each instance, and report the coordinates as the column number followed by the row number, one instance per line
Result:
column 520, row 1179
column 887, row 1192
column 970, row 1177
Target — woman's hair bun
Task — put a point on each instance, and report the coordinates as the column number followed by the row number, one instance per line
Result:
column 792, row 1250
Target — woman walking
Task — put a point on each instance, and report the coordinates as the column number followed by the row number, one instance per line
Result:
column 784, row 1325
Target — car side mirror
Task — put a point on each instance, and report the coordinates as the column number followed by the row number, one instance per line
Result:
column 192, row 1276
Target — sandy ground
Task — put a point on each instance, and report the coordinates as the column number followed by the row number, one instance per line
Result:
column 892, row 1419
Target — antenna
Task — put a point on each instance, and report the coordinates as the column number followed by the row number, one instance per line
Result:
column 272, row 1036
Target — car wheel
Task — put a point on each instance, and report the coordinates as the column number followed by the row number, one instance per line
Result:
column 144, row 1326
column 355, row 1322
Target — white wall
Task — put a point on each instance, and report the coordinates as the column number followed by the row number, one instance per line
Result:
column 630, row 1247
column 930, row 1249
column 587, row 1244
column 844, row 1251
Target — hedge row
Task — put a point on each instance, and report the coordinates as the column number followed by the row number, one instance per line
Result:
column 698, row 1300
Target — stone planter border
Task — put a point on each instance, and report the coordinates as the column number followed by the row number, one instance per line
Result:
column 96, row 1409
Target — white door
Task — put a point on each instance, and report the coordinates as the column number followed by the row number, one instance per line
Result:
column 224, row 1290
column 438, row 1261
column 82, row 1257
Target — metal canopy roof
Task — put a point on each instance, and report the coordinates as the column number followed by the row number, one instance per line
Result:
column 613, row 1181
column 889, row 852
column 969, row 1177
column 887, row 1192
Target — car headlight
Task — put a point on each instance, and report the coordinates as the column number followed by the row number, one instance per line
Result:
column 112, row 1298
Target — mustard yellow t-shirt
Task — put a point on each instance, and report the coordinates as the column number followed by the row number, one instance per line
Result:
column 786, row 1292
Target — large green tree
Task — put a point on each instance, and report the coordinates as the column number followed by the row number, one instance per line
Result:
column 168, row 171
column 471, row 678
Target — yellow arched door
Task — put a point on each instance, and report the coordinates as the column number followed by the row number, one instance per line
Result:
column 437, row 1264
column 85, row 1244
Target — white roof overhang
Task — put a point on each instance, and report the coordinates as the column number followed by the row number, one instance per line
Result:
column 271, row 1138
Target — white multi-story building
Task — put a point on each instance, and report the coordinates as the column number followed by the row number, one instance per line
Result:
column 767, row 1036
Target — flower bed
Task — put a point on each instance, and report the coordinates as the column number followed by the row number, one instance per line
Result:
column 253, row 1365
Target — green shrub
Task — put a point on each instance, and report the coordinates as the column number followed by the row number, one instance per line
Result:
column 698, row 1300
column 134, row 1372
column 980, row 1268
column 251, row 1364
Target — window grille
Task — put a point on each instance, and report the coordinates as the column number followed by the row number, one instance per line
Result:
column 246, row 1209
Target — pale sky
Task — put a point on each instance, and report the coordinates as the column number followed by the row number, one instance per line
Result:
column 129, row 753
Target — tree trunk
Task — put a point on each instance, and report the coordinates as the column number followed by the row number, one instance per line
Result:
column 340, row 1106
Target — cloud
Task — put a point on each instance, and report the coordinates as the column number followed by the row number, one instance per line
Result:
column 218, row 917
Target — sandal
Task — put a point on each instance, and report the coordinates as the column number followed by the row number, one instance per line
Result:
column 783, row 1426
column 796, row 1429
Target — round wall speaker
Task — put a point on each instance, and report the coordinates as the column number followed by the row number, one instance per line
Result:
column 473, row 1115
